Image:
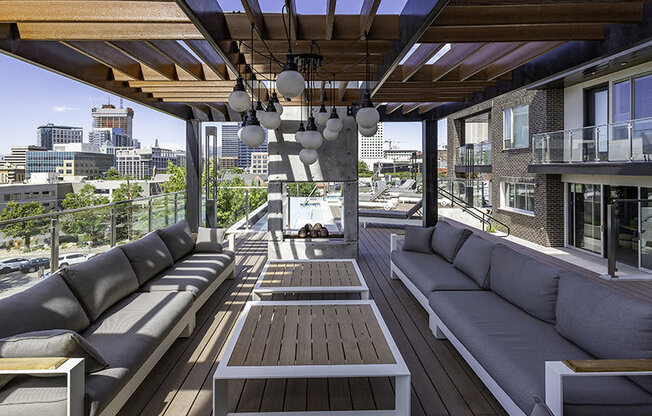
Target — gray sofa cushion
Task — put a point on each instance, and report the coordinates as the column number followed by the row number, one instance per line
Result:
column 448, row 239
column 418, row 239
column 46, row 305
column 52, row 343
column 540, row 408
column 606, row 323
column 25, row 396
column 194, row 273
column 430, row 272
column 148, row 256
column 126, row 336
column 101, row 281
column 525, row 282
column 178, row 239
column 512, row 347
column 474, row 259
column 210, row 240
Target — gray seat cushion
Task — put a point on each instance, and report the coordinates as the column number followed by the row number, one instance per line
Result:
column 474, row 259
column 101, row 281
column 430, row 272
column 126, row 335
column 525, row 282
column 194, row 273
column 178, row 239
column 210, row 240
column 448, row 239
column 513, row 347
column 148, row 256
column 28, row 396
column 46, row 305
column 606, row 323
column 418, row 239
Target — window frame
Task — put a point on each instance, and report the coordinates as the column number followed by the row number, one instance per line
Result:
column 509, row 195
column 510, row 129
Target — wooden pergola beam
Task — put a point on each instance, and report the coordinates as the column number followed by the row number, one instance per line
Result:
column 425, row 107
column 106, row 31
column 109, row 56
column 146, row 55
column 419, row 57
column 180, row 56
column 367, row 14
column 520, row 56
column 515, row 33
column 457, row 54
column 254, row 14
column 208, row 55
column 330, row 18
column 391, row 107
column 484, row 57
column 341, row 90
column 408, row 107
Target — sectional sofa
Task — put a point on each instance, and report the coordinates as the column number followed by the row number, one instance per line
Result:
column 120, row 311
column 514, row 318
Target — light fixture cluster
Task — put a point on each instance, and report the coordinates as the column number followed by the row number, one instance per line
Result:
column 367, row 116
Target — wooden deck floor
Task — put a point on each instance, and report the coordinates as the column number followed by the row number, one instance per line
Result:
column 442, row 383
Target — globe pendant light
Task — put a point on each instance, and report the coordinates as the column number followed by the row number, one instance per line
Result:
column 322, row 116
column 270, row 118
column 349, row 113
column 277, row 104
column 252, row 134
column 368, row 132
column 367, row 116
column 259, row 110
column 244, row 122
column 329, row 134
column 308, row 156
column 311, row 138
column 299, row 132
column 239, row 99
column 290, row 82
column 334, row 123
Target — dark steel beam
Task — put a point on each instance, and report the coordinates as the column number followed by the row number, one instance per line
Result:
column 429, row 173
column 193, row 173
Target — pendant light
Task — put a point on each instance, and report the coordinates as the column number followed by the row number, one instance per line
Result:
column 349, row 113
column 368, row 132
column 311, row 138
column 277, row 104
column 333, row 124
column 322, row 116
column 308, row 156
column 259, row 109
column 367, row 116
column 299, row 133
column 239, row 99
column 244, row 121
column 252, row 134
column 270, row 118
column 329, row 135
column 290, row 82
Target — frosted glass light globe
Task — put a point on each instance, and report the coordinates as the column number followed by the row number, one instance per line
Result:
column 277, row 104
column 329, row 134
column 321, row 117
column 270, row 120
column 240, row 132
column 308, row 156
column 239, row 101
column 259, row 110
column 367, row 117
column 311, row 139
column 297, row 136
column 368, row 132
column 290, row 83
column 334, row 125
column 252, row 135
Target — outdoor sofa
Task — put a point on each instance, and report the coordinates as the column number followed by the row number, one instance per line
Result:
column 120, row 311
column 508, row 315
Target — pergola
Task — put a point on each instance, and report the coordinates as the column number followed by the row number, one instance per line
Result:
column 182, row 57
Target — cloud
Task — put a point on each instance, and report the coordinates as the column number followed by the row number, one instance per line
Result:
column 62, row 109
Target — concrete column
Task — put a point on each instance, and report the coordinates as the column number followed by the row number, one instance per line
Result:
column 430, row 191
column 193, row 173
column 350, row 210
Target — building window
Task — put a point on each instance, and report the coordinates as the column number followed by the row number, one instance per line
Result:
column 516, row 127
column 518, row 197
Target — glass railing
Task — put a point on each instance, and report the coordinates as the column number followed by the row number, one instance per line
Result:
column 629, row 141
column 475, row 192
column 474, row 154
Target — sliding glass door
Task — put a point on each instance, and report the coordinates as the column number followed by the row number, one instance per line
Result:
column 584, row 215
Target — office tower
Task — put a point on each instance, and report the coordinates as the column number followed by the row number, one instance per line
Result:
column 109, row 117
column 49, row 135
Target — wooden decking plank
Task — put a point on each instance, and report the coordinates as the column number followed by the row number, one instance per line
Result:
column 241, row 350
column 317, row 399
column 365, row 342
column 296, row 395
column 333, row 338
column 273, row 347
column 273, row 396
column 349, row 343
column 339, row 394
column 304, row 336
column 258, row 340
column 289, row 339
column 362, row 396
column 319, row 347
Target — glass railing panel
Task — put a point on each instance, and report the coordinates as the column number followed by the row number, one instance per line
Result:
column 162, row 212
column 139, row 215
column 618, row 145
column 642, row 140
column 83, row 234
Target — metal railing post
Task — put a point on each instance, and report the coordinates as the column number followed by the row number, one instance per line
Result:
column 596, row 144
column 114, row 226
column 247, row 208
column 54, row 244
column 630, row 133
column 611, row 241
column 176, row 208
column 149, row 215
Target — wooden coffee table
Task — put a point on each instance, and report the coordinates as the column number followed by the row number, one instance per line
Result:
column 311, row 276
column 311, row 339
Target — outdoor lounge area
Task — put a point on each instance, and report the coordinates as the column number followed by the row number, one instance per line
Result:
column 267, row 269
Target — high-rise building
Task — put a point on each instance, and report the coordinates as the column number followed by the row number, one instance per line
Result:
column 245, row 152
column 73, row 159
column 371, row 148
column 49, row 135
column 115, row 136
column 109, row 117
column 143, row 163
column 227, row 162
column 17, row 155
column 233, row 147
column 258, row 163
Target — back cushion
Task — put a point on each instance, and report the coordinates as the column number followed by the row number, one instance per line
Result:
column 447, row 240
column 418, row 239
column 101, row 281
column 48, row 304
column 474, row 259
column 525, row 282
column 178, row 239
column 210, row 240
column 606, row 323
column 148, row 256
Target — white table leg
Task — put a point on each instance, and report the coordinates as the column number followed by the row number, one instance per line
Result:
column 75, row 380
column 403, row 389
column 554, row 389
column 254, row 296
column 364, row 295
column 220, row 397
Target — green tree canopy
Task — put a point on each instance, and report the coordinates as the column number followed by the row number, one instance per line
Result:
column 88, row 222
column 363, row 169
column 177, row 180
column 112, row 175
column 126, row 191
column 24, row 229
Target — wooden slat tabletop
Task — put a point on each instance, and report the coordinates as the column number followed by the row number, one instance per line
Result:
column 310, row 274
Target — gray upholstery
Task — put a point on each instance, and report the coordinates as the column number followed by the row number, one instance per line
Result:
column 430, row 272
column 448, row 239
column 46, row 305
column 126, row 335
column 474, row 259
column 540, row 408
column 178, row 239
column 525, row 282
column 210, row 240
column 418, row 239
column 52, row 343
column 512, row 347
column 148, row 256
column 194, row 273
column 101, row 281
column 606, row 323
column 27, row 396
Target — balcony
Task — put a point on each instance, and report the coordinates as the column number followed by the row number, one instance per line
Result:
column 616, row 148
column 475, row 157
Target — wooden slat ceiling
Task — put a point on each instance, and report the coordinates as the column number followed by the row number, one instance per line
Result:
column 151, row 51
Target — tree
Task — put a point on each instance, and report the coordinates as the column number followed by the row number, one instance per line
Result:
column 112, row 175
column 363, row 169
column 24, row 229
column 87, row 222
column 177, row 180
column 125, row 192
column 300, row 188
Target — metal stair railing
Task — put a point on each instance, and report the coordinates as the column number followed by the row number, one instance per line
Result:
column 475, row 212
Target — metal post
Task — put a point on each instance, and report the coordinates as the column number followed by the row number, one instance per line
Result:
column 149, row 215
column 54, row 244
column 193, row 173
column 176, row 208
column 596, row 144
column 247, row 208
column 630, row 132
column 611, row 240
column 429, row 175
column 114, row 225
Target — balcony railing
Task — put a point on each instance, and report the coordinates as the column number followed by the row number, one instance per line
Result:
column 629, row 141
column 474, row 154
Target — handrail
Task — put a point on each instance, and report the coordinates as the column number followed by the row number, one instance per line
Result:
column 475, row 212
column 309, row 196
